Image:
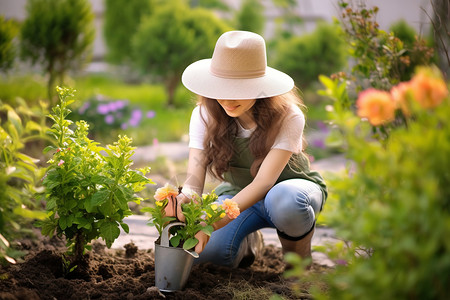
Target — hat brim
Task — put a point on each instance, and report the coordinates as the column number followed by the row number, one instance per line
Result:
column 198, row 78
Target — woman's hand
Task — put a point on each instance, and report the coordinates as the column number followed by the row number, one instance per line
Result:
column 171, row 207
column 203, row 239
column 181, row 199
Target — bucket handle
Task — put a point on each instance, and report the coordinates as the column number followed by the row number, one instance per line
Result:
column 165, row 233
column 165, row 237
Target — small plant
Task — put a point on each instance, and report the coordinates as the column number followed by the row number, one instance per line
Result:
column 200, row 213
column 87, row 187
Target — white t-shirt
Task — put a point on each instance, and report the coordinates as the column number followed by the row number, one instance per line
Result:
column 289, row 138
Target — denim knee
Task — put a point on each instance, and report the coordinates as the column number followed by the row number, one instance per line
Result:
column 292, row 206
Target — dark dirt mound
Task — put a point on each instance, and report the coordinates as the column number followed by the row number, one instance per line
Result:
column 130, row 274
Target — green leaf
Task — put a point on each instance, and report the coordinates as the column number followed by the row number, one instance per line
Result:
column 137, row 177
column 190, row 243
column 70, row 204
column 51, row 203
column 175, row 240
column 109, row 231
column 49, row 148
column 121, row 199
column 125, row 227
column 63, row 222
column 48, row 227
column 208, row 230
column 99, row 198
column 31, row 214
column 101, row 179
column 83, row 223
column 14, row 118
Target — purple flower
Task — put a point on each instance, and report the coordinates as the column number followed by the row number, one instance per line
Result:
column 341, row 262
column 103, row 109
column 124, row 126
column 151, row 114
column 83, row 108
column 319, row 144
column 120, row 104
column 109, row 119
column 136, row 116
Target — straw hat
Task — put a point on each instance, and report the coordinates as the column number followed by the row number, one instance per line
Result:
column 237, row 70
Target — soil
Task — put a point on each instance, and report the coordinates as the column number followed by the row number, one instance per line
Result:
column 130, row 274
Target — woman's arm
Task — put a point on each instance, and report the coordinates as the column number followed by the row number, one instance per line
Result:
column 195, row 181
column 196, row 171
column 271, row 168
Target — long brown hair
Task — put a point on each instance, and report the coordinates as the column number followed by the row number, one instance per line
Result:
column 268, row 113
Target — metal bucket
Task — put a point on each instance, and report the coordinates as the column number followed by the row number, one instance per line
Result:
column 172, row 265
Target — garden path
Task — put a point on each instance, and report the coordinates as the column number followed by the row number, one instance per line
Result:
column 143, row 236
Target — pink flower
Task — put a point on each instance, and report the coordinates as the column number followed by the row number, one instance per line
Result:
column 60, row 163
column 231, row 208
column 377, row 106
column 399, row 94
column 165, row 192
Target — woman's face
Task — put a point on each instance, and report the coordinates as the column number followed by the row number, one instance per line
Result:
column 237, row 108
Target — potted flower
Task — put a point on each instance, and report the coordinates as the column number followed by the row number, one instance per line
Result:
column 174, row 257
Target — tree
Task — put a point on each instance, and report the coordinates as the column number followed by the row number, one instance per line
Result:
column 308, row 56
column 441, row 31
column 58, row 34
column 251, row 16
column 173, row 37
column 127, row 14
column 8, row 31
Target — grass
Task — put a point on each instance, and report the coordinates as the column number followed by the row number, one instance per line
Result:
column 169, row 124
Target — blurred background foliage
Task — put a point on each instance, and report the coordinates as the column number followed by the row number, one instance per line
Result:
column 150, row 42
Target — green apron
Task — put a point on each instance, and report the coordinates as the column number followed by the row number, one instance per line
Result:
column 238, row 176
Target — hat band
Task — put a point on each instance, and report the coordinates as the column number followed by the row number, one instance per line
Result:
column 237, row 74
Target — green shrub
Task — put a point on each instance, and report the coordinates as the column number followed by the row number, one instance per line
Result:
column 173, row 37
column 306, row 57
column 87, row 187
column 250, row 17
column 8, row 30
column 122, row 19
column 58, row 34
column 381, row 59
column 19, row 174
column 393, row 206
column 405, row 32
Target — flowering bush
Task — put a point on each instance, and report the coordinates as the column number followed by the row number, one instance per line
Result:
column 380, row 58
column 87, row 187
column 200, row 213
column 105, row 114
column 394, row 203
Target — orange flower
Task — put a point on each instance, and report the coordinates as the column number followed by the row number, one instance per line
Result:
column 377, row 106
column 231, row 208
column 399, row 94
column 165, row 192
column 428, row 91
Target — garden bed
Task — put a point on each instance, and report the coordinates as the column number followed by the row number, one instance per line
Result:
column 130, row 274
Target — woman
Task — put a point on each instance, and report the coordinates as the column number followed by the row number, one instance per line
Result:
column 247, row 131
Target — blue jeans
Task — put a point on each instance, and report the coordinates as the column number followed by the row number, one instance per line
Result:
column 290, row 206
